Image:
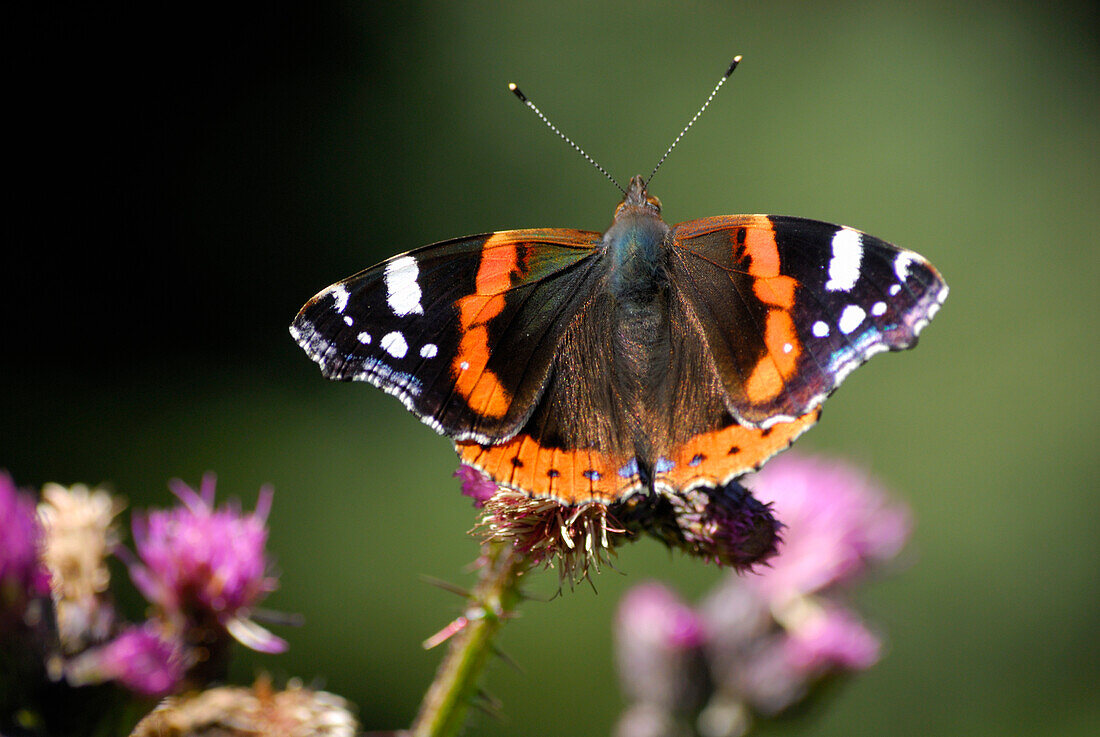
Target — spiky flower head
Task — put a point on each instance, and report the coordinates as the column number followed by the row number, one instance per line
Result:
column 726, row 525
column 576, row 538
column 198, row 562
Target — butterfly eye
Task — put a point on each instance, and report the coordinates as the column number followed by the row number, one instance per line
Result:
column 654, row 202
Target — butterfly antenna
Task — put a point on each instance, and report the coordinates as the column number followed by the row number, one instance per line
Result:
column 722, row 81
column 523, row 98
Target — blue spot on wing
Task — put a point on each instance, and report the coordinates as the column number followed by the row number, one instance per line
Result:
column 630, row 470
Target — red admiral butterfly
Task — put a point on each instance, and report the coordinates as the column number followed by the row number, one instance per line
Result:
column 585, row 367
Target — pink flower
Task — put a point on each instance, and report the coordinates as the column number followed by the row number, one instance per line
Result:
column 768, row 639
column 838, row 522
column 831, row 638
column 22, row 575
column 657, row 641
column 476, row 485
column 139, row 659
column 196, row 560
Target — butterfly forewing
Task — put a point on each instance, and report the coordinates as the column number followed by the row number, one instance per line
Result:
column 788, row 306
column 463, row 332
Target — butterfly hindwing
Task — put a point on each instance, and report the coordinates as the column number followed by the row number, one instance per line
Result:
column 463, row 332
column 789, row 306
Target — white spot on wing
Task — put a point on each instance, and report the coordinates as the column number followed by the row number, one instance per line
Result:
column 340, row 296
column 402, row 289
column 348, row 321
column 429, row 350
column 364, row 338
column 464, row 365
column 394, row 344
column 894, row 289
column 821, row 329
column 847, row 257
column 878, row 308
column 901, row 265
column 787, row 347
column 851, row 318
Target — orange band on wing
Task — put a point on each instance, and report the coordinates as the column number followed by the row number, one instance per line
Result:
column 761, row 248
column 568, row 476
column 714, row 458
column 779, row 361
column 480, row 387
column 777, row 292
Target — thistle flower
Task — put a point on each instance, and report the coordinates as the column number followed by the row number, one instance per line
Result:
column 770, row 638
column 476, row 485
column 577, row 538
column 22, row 576
column 203, row 565
column 140, row 659
column 657, row 644
column 79, row 534
column 726, row 525
column 840, row 523
column 830, row 637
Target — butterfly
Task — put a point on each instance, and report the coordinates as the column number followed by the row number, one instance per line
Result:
column 587, row 367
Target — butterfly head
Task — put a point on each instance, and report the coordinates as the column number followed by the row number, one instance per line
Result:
column 637, row 199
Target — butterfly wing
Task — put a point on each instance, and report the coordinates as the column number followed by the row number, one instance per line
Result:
column 462, row 332
column 789, row 307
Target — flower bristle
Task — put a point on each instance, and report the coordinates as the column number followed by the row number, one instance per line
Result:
column 575, row 539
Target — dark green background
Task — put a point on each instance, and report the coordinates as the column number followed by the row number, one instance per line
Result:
column 187, row 177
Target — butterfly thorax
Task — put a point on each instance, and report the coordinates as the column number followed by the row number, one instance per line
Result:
column 635, row 246
column 637, row 283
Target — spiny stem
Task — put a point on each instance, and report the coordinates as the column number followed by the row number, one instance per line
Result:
column 490, row 604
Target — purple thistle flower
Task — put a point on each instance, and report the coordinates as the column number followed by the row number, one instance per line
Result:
column 201, row 563
column 726, row 525
column 22, row 575
column 838, row 522
column 139, row 659
column 770, row 638
column 476, row 485
column 831, row 638
column 657, row 641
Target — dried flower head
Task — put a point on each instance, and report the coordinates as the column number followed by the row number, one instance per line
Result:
column 80, row 533
column 200, row 563
column 243, row 712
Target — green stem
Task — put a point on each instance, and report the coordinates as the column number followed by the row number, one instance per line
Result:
column 443, row 711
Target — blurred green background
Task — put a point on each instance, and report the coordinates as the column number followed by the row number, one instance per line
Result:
column 186, row 178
